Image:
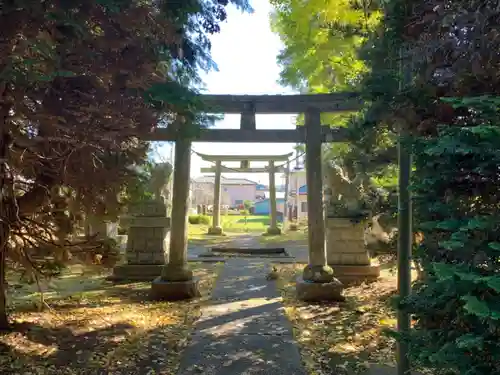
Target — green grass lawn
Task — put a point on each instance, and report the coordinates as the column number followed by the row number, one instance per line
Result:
column 242, row 224
column 237, row 225
column 234, row 224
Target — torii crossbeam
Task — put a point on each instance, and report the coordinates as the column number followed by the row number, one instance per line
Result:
column 249, row 105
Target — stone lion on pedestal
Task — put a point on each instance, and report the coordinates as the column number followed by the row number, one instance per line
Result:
column 344, row 197
column 160, row 177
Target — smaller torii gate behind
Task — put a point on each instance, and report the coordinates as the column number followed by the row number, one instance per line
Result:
column 177, row 280
column 245, row 167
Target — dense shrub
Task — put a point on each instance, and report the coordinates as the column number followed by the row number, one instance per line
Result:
column 199, row 219
column 457, row 201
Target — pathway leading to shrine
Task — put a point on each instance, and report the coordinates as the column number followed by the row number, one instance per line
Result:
column 244, row 331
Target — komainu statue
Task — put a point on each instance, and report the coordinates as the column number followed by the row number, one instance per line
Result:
column 345, row 198
column 160, row 177
column 347, row 208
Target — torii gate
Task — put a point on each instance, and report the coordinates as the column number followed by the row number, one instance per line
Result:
column 317, row 273
column 245, row 167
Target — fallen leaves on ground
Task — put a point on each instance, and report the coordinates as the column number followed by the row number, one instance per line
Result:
column 104, row 329
column 342, row 338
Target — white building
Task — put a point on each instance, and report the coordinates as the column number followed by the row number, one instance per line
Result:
column 234, row 191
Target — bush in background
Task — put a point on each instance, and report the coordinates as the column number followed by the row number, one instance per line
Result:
column 199, row 219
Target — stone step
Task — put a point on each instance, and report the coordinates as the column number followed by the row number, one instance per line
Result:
column 250, row 250
column 210, row 254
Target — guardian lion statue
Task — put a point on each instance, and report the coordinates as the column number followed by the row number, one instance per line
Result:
column 160, row 177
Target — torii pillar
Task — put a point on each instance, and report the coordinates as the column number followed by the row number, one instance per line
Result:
column 176, row 281
column 317, row 282
column 216, row 229
column 273, row 228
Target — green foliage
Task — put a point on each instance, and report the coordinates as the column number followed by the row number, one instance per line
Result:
column 421, row 53
column 81, row 83
column 457, row 305
column 417, row 54
column 199, row 219
column 248, row 204
column 323, row 41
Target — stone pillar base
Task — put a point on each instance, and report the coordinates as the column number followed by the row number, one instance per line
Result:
column 273, row 231
column 174, row 290
column 136, row 272
column 354, row 274
column 317, row 292
column 215, row 231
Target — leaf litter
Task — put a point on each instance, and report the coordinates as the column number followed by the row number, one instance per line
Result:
column 345, row 338
column 108, row 328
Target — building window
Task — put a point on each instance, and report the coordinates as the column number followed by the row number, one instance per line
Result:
column 303, row 206
column 238, row 201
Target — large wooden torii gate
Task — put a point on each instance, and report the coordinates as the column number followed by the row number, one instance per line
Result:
column 245, row 167
column 313, row 134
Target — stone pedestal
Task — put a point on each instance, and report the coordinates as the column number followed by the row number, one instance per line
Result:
column 125, row 221
column 100, row 228
column 215, row 231
column 273, row 231
column 317, row 292
column 136, row 272
column 347, row 253
column 147, row 242
column 174, row 290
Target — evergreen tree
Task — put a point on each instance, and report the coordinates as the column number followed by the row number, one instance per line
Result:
column 80, row 83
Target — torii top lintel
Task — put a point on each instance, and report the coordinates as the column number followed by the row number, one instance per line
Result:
column 233, row 158
column 250, row 105
column 282, row 104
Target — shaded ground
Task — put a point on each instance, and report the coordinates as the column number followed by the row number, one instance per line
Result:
column 346, row 338
column 95, row 327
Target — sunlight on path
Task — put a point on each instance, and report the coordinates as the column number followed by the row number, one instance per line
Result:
column 244, row 330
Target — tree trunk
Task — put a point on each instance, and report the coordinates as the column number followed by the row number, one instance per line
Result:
column 4, row 226
column 4, row 321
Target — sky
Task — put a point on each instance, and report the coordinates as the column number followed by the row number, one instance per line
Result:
column 245, row 52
